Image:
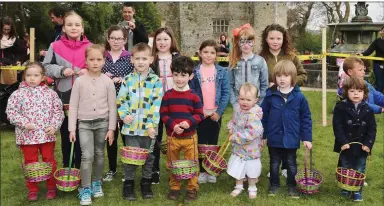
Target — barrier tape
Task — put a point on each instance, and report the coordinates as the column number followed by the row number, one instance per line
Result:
column 225, row 59
column 12, row 67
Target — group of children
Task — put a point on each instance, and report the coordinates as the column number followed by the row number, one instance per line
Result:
column 149, row 89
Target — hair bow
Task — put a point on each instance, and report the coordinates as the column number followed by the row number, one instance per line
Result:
column 235, row 32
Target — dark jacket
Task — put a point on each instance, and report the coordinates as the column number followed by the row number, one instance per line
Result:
column 378, row 46
column 10, row 55
column 353, row 125
column 222, row 87
column 286, row 123
column 58, row 31
column 139, row 33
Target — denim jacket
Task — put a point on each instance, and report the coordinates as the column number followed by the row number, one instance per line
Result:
column 222, row 87
column 256, row 73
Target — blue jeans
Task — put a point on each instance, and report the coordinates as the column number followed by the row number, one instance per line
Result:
column 378, row 70
column 354, row 162
column 288, row 156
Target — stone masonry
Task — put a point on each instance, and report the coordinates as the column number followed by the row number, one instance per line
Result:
column 192, row 22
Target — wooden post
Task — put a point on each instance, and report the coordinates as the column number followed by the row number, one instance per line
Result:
column 324, row 77
column 32, row 44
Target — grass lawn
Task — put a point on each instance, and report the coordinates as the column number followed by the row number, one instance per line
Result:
column 13, row 190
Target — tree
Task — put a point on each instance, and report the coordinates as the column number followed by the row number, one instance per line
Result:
column 297, row 18
column 309, row 41
column 337, row 12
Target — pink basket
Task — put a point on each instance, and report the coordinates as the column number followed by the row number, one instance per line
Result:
column 204, row 148
column 134, row 155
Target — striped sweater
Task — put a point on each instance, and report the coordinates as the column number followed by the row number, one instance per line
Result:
column 178, row 106
column 140, row 97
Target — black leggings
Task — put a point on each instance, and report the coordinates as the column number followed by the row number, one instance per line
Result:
column 113, row 149
column 66, row 145
column 208, row 133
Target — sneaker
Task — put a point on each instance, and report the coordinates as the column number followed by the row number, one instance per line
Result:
column 357, row 197
column 97, row 190
column 51, row 194
column 190, row 196
column 211, row 179
column 284, row 173
column 32, row 196
column 123, row 178
column 203, row 178
column 109, row 176
column 273, row 190
column 238, row 189
column 345, row 193
column 365, row 183
column 85, row 196
column 155, row 178
column 293, row 193
column 269, row 174
column 173, row 194
column 252, row 192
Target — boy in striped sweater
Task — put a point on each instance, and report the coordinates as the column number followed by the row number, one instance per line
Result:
column 181, row 111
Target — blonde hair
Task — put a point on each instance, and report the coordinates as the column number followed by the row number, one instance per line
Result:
column 245, row 33
column 248, row 87
column 97, row 47
column 349, row 63
column 286, row 67
column 73, row 13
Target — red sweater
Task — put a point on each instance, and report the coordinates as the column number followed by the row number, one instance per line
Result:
column 179, row 106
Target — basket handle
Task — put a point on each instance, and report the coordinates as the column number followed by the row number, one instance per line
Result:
column 70, row 160
column 368, row 158
column 224, row 147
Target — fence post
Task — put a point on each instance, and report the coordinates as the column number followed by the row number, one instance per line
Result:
column 32, row 44
column 324, row 77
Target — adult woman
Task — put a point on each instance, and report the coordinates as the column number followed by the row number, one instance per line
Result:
column 378, row 66
column 10, row 50
column 223, row 45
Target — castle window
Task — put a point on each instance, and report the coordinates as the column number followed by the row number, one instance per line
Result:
column 220, row 26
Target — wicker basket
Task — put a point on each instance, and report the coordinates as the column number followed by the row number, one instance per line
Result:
column 214, row 163
column 204, row 148
column 308, row 181
column 67, row 179
column 37, row 171
column 349, row 179
column 183, row 169
column 133, row 155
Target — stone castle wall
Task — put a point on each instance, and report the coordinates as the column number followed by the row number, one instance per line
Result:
column 192, row 22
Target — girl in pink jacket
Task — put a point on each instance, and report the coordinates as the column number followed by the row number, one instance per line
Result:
column 37, row 113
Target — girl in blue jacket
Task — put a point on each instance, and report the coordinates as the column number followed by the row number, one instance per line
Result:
column 286, row 121
column 211, row 83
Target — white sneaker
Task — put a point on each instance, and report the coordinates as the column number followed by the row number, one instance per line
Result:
column 203, row 178
column 284, row 173
column 365, row 183
column 269, row 174
column 211, row 179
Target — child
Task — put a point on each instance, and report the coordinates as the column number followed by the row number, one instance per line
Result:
column 354, row 121
column 164, row 50
column 117, row 65
column 181, row 111
column 354, row 67
column 276, row 46
column 139, row 102
column 36, row 111
column 93, row 105
column 286, row 120
column 65, row 62
column 245, row 65
column 246, row 132
column 210, row 82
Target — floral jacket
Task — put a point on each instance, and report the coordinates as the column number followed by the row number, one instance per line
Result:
column 247, row 132
column 40, row 106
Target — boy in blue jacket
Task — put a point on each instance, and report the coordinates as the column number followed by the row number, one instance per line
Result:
column 286, row 121
column 354, row 67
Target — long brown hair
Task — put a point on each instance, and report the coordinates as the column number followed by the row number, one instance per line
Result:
column 174, row 48
column 234, row 55
column 286, row 48
column 8, row 21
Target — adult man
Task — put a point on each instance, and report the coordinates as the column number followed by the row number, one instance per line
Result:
column 136, row 30
column 57, row 16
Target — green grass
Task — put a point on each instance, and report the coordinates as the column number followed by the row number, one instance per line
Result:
column 13, row 190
